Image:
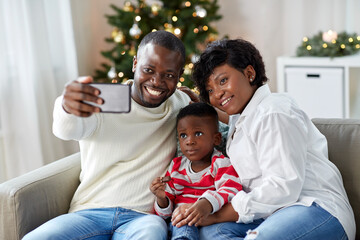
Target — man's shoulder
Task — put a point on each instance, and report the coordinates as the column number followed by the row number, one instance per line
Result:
column 179, row 97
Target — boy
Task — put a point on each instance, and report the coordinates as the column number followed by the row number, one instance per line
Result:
column 203, row 176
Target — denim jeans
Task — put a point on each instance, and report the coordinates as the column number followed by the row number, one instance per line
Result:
column 291, row 223
column 105, row 223
column 184, row 233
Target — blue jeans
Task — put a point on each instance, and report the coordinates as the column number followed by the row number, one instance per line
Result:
column 103, row 223
column 183, row 233
column 291, row 223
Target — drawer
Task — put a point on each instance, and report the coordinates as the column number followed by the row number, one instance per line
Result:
column 318, row 91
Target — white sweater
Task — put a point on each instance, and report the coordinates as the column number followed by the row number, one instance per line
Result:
column 121, row 153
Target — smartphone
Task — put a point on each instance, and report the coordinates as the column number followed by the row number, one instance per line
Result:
column 117, row 97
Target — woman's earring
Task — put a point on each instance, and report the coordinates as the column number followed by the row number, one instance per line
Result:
column 251, row 78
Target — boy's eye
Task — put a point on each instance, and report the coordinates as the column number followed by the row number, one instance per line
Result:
column 198, row 134
column 182, row 135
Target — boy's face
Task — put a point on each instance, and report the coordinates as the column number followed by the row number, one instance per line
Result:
column 156, row 73
column 197, row 137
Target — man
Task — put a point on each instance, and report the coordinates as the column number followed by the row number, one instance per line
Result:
column 121, row 153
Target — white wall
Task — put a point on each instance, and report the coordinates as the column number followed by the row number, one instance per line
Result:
column 276, row 27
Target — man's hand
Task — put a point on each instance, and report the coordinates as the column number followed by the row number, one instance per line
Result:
column 193, row 214
column 78, row 91
column 157, row 187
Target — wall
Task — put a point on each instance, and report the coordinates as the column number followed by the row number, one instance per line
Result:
column 276, row 27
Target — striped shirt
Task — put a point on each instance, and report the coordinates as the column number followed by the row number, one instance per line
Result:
column 217, row 183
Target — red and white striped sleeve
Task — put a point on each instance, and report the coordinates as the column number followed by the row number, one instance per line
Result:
column 226, row 183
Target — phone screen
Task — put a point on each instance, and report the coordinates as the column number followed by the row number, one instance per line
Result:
column 117, row 97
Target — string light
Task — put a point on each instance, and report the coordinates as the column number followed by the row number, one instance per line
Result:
column 137, row 18
column 342, row 46
column 305, row 39
column 187, row 4
column 324, row 45
column 308, row 47
column 174, row 18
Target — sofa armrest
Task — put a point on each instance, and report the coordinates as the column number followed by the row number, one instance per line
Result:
column 33, row 198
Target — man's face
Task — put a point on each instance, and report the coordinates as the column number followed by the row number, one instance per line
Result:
column 156, row 73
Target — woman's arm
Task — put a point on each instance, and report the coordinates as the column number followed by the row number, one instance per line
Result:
column 225, row 214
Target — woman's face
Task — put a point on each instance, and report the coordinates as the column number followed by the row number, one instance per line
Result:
column 229, row 89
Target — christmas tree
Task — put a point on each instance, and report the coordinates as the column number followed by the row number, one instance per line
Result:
column 188, row 20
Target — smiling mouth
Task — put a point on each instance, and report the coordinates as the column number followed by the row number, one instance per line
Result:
column 225, row 101
column 153, row 91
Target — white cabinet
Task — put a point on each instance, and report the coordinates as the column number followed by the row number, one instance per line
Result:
column 323, row 87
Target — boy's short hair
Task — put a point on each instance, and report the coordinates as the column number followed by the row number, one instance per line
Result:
column 165, row 39
column 199, row 109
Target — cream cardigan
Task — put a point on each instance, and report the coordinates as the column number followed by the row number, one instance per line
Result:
column 121, row 153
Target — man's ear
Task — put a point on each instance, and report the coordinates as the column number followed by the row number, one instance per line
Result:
column 134, row 64
column 217, row 139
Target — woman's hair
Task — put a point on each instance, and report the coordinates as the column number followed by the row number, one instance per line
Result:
column 237, row 53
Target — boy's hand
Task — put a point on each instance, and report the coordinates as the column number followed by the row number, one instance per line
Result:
column 192, row 215
column 157, row 187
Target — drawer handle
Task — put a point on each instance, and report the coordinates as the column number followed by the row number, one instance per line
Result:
column 313, row 75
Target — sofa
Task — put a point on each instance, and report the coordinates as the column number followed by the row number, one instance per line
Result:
column 32, row 199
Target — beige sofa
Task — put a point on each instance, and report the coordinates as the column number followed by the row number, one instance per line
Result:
column 31, row 199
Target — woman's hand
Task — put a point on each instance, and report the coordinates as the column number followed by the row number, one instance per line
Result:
column 193, row 96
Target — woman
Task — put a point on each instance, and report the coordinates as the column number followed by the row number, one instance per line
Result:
column 292, row 190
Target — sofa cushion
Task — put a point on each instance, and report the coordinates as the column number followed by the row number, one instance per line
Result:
column 343, row 136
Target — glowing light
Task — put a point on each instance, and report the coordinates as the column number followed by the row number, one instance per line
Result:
column 177, row 31
column 187, row 4
column 194, row 14
column 182, row 79
column 357, row 46
column 196, row 30
column 191, row 65
column 174, row 18
column 205, row 28
column 179, row 84
column 308, row 47
column 325, row 45
column 137, row 18
column 120, row 74
column 154, row 30
column 342, row 46
column 114, row 81
column 123, row 53
column 351, row 40
column 305, row 39
column 333, row 41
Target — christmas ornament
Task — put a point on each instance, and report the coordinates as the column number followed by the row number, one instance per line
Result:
column 128, row 7
column 135, row 31
column 200, row 11
column 119, row 37
column 112, row 73
column 155, row 9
